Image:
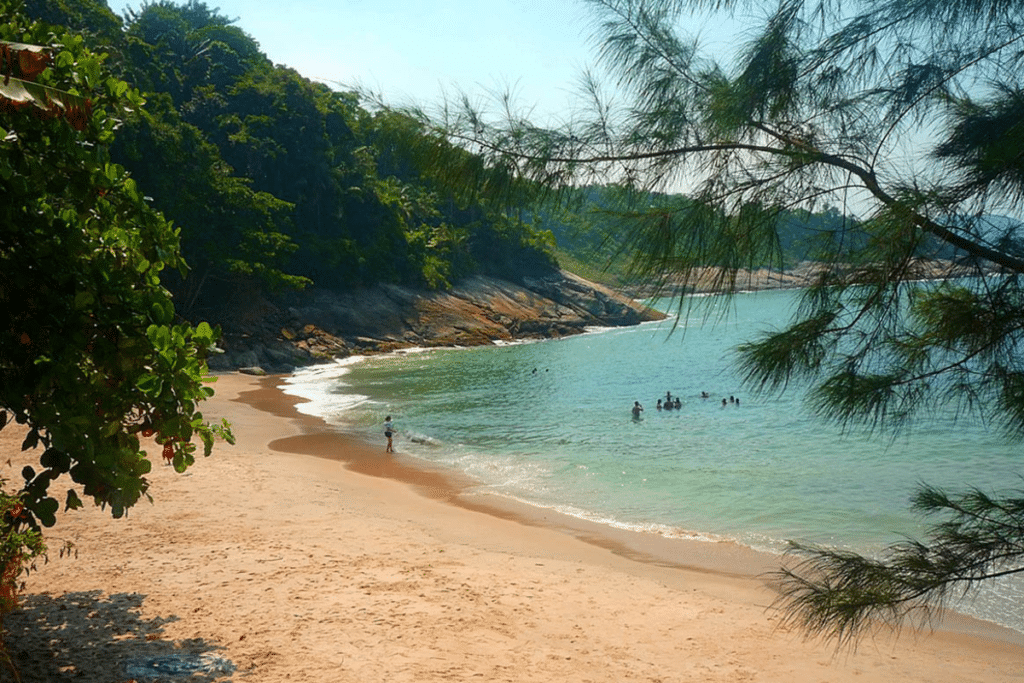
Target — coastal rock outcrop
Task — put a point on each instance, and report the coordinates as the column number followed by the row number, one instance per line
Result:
column 320, row 325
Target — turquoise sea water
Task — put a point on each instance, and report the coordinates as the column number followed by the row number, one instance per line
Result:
column 549, row 423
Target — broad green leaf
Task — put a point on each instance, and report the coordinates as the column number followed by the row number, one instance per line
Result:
column 84, row 299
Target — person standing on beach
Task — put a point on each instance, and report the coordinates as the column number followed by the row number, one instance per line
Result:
column 389, row 431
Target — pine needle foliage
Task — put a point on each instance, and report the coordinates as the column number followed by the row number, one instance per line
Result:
column 907, row 116
column 843, row 595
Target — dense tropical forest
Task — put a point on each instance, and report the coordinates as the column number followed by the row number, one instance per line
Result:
column 279, row 183
column 274, row 178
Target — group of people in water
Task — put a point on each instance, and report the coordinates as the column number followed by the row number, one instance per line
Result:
column 674, row 403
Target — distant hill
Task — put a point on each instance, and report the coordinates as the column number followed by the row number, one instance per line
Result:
column 592, row 232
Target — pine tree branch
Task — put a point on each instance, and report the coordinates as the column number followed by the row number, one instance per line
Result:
column 840, row 594
column 795, row 149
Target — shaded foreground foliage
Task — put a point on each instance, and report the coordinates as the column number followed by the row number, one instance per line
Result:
column 92, row 356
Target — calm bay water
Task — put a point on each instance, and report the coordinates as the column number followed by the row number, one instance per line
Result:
column 549, row 423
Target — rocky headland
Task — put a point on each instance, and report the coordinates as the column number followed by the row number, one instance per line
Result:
column 320, row 325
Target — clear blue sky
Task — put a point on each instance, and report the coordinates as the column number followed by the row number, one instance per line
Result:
column 414, row 49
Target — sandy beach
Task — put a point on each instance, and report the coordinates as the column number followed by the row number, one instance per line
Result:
column 302, row 555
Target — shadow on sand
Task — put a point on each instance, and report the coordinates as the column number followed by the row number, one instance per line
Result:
column 89, row 637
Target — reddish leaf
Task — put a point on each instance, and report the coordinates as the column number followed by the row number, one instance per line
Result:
column 32, row 63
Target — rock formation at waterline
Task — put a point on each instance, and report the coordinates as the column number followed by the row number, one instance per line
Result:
column 320, row 325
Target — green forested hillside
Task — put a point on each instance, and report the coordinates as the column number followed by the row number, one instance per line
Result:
column 275, row 181
column 592, row 240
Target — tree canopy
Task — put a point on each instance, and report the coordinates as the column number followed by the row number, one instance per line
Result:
column 314, row 187
column 906, row 117
column 278, row 183
column 92, row 355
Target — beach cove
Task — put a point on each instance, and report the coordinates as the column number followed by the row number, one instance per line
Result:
column 303, row 555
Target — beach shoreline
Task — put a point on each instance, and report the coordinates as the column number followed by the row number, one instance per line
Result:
column 455, row 488
column 726, row 559
column 354, row 566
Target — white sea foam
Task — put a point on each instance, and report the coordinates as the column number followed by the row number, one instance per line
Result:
column 651, row 528
column 323, row 388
